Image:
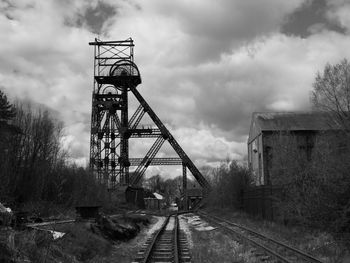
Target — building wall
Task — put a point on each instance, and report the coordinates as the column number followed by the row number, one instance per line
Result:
column 134, row 195
column 260, row 201
column 255, row 159
column 267, row 147
column 153, row 203
column 288, row 145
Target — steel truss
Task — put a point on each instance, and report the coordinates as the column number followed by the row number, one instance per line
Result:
column 115, row 75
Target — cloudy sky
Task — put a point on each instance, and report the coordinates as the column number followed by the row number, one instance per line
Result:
column 206, row 65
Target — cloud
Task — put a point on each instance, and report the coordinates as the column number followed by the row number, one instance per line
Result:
column 271, row 73
column 339, row 12
column 312, row 16
column 213, row 28
column 198, row 31
column 206, row 66
column 94, row 16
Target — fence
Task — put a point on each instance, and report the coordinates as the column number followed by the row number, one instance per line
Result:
column 261, row 201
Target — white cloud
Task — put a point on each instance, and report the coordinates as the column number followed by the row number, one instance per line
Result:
column 206, row 66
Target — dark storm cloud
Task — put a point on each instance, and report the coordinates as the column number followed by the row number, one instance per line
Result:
column 206, row 65
column 93, row 17
column 310, row 17
column 218, row 27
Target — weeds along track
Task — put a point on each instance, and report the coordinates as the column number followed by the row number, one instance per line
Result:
column 268, row 249
column 168, row 244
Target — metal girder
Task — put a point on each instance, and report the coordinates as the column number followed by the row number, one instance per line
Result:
column 110, row 44
column 146, row 161
column 115, row 74
column 184, row 186
column 141, row 133
column 166, row 134
column 135, row 80
column 111, row 58
column 134, row 116
column 145, row 133
column 109, row 139
column 137, row 121
column 157, row 161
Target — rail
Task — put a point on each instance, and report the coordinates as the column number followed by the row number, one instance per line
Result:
column 253, row 234
column 149, row 248
column 166, row 244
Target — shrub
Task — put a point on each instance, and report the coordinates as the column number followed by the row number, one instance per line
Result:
column 228, row 182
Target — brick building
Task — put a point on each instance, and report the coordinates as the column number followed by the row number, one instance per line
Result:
column 268, row 127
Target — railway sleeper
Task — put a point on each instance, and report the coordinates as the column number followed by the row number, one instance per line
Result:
column 162, row 259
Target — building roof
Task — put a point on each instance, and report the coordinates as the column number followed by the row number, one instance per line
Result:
column 158, row 196
column 291, row 121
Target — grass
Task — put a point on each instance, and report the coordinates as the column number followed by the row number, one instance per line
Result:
column 79, row 244
column 317, row 243
column 214, row 246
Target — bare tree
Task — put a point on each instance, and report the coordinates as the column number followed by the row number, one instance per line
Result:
column 228, row 182
column 7, row 113
column 33, row 164
column 331, row 91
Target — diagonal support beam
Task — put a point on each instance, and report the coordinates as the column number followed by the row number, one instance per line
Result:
column 157, row 161
column 117, row 121
column 166, row 134
column 139, row 118
column 147, row 160
column 134, row 116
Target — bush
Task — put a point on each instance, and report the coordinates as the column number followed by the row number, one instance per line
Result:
column 315, row 192
column 34, row 166
column 228, row 182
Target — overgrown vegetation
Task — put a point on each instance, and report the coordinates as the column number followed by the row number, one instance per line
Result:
column 314, row 179
column 316, row 242
column 315, row 192
column 34, row 166
column 213, row 246
column 316, row 188
column 228, row 182
column 78, row 244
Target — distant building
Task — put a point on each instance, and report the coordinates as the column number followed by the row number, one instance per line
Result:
column 262, row 144
column 135, row 195
column 154, row 203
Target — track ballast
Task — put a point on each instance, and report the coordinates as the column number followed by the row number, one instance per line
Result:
column 168, row 244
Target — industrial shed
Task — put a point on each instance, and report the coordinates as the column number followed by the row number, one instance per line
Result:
column 305, row 127
column 135, row 195
column 154, row 203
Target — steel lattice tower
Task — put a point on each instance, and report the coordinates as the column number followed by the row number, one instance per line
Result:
column 116, row 75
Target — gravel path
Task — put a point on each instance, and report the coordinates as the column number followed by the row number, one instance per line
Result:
column 184, row 226
column 171, row 224
column 155, row 226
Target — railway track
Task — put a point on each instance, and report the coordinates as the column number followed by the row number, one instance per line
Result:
column 268, row 249
column 168, row 244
